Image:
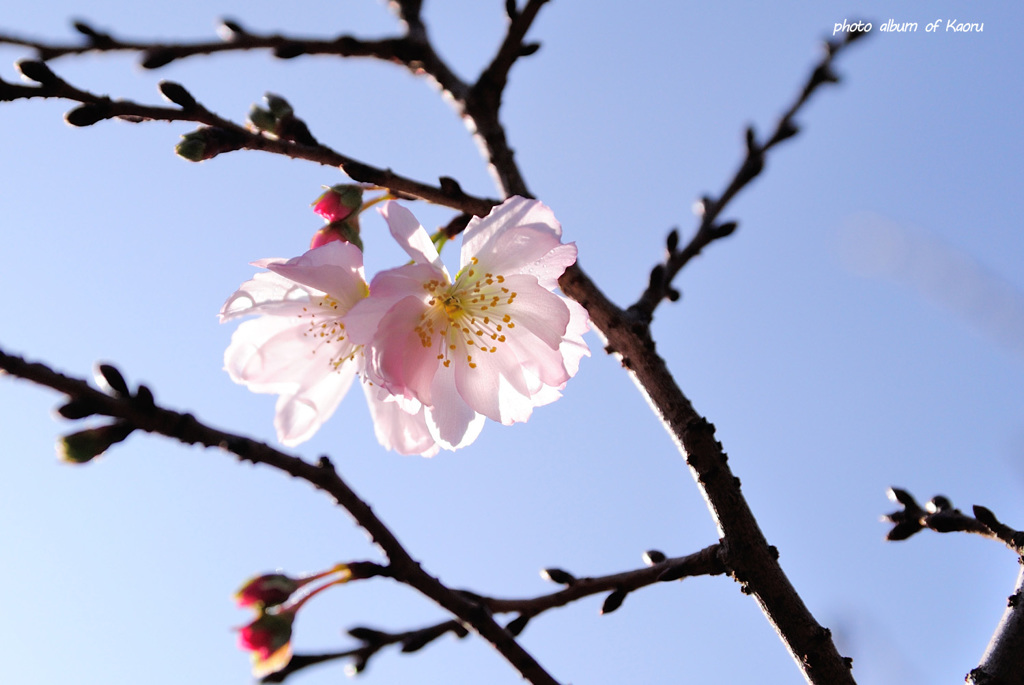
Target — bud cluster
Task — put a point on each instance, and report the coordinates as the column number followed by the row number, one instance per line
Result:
column 276, row 598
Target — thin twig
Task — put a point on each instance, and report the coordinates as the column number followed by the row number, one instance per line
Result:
column 941, row 516
column 495, row 76
column 96, row 108
column 1003, row 660
column 704, row 562
column 660, row 283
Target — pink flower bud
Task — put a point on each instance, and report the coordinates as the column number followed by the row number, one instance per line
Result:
column 267, row 590
column 269, row 640
column 346, row 231
column 338, row 202
column 323, row 236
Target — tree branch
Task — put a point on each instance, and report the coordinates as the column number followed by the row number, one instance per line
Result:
column 747, row 556
column 940, row 515
column 1003, row 660
column 495, row 76
column 139, row 412
column 658, row 569
column 230, row 135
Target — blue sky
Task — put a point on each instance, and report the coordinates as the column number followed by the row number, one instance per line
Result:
column 861, row 329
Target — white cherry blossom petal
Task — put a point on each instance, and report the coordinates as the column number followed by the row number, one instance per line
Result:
column 411, row 235
column 335, row 268
column 298, row 416
column 397, row 427
column 452, row 423
column 268, row 353
column 515, row 212
column 536, row 309
column 265, row 293
column 525, row 250
column 494, row 385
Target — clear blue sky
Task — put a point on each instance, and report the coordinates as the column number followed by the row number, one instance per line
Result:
column 863, row 328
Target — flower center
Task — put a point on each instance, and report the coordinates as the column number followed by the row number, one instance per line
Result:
column 475, row 313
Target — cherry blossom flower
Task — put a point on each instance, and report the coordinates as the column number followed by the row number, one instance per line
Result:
column 494, row 342
column 299, row 349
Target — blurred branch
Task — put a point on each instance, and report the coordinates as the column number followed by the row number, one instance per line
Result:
column 139, row 412
column 941, row 516
column 1003, row 660
column 373, row 641
column 658, row 569
column 234, row 38
column 660, row 283
column 482, row 104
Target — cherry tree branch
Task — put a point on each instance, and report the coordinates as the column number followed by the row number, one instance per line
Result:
column 710, row 209
column 478, row 103
column 747, row 556
column 373, row 640
column 138, row 411
column 1003, row 660
column 618, row 585
column 222, row 135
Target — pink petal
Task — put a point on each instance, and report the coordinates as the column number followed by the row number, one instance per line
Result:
column 405, row 360
column 335, row 268
column 299, row 416
column 266, row 293
column 513, row 212
column 526, row 250
column 452, row 423
column 397, row 429
column 535, row 308
column 494, row 384
column 413, row 238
